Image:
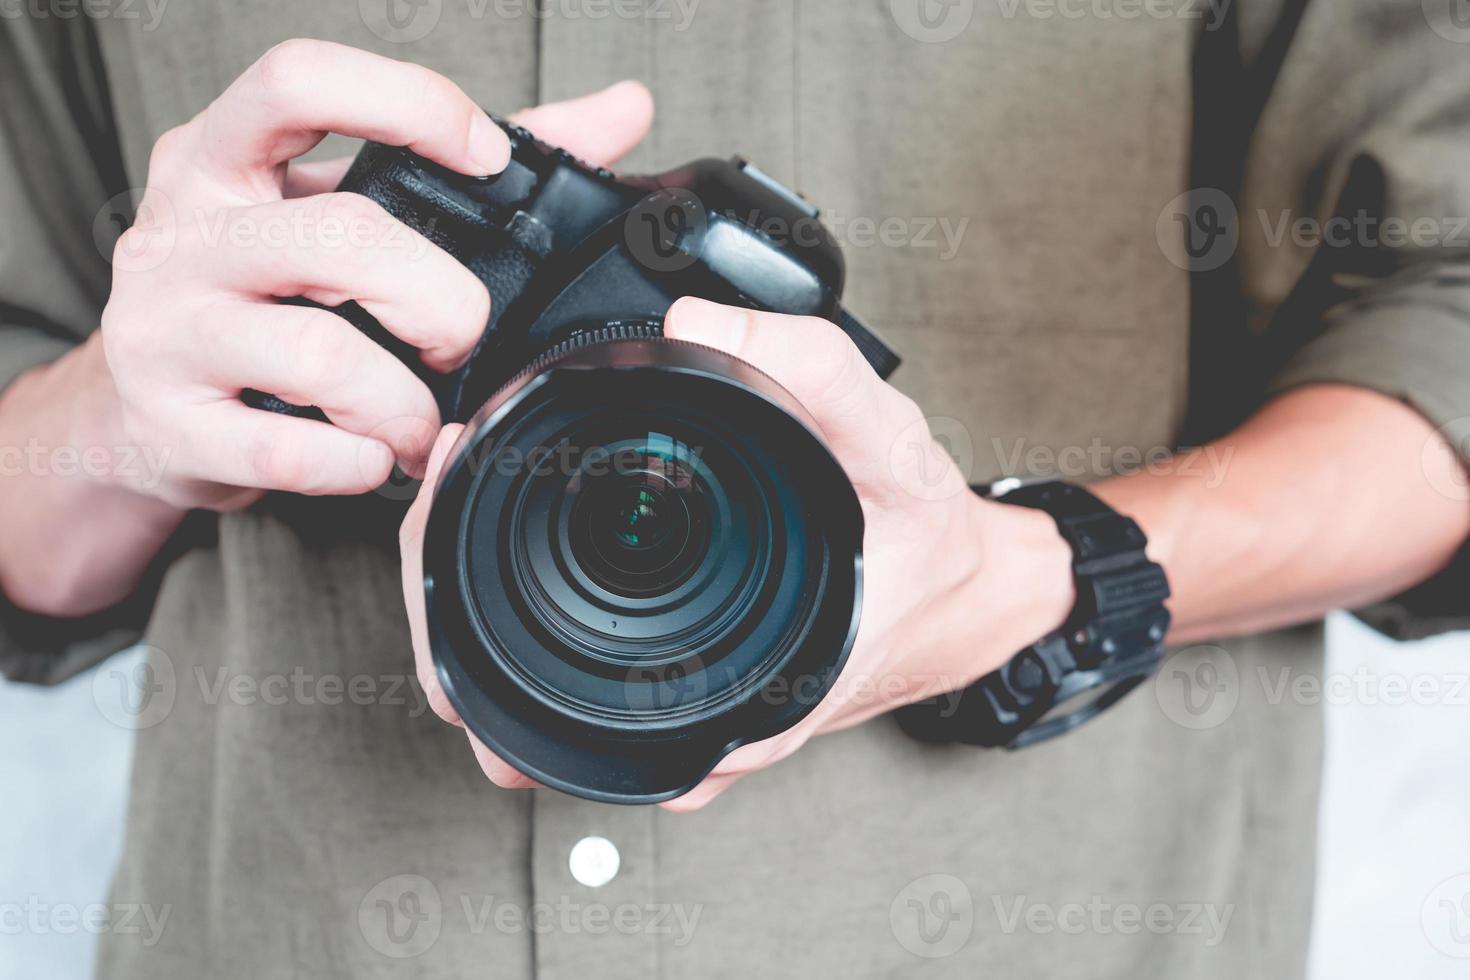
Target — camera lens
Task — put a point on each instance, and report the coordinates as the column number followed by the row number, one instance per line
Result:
column 643, row 528
column 640, row 556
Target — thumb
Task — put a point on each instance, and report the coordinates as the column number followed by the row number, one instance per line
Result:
column 599, row 128
column 859, row 416
column 411, row 544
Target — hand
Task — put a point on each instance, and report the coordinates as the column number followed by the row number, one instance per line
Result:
column 953, row 585
column 228, row 224
column 598, row 128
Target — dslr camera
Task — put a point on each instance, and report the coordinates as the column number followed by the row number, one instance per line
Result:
column 640, row 555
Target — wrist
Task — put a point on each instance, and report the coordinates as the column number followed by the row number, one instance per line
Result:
column 94, row 417
column 1021, row 587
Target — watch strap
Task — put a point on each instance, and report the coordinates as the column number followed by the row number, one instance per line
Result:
column 1110, row 643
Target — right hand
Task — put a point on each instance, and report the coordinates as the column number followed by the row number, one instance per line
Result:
column 227, row 224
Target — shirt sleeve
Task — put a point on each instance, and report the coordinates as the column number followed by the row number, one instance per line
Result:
column 64, row 200
column 1354, row 221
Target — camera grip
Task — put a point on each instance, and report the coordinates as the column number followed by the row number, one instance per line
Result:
column 478, row 221
column 404, row 186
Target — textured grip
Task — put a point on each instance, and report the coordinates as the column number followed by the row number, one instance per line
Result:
column 502, row 246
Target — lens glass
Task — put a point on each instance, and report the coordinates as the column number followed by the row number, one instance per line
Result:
column 643, row 526
column 640, row 557
column 634, row 556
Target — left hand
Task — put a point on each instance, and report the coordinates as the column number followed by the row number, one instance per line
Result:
column 953, row 585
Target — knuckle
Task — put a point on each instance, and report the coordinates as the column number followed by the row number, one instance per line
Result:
column 122, row 332
column 168, row 151
column 288, row 66
column 323, row 353
column 277, row 463
column 350, row 225
column 347, row 208
column 472, row 311
column 449, row 108
column 141, row 248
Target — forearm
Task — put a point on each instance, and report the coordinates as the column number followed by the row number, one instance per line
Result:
column 75, row 537
column 1328, row 498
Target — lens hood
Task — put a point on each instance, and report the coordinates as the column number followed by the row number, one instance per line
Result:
column 639, row 557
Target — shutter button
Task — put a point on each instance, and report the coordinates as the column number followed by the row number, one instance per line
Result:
column 594, row 861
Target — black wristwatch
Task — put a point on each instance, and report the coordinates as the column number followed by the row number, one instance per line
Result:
column 1112, row 641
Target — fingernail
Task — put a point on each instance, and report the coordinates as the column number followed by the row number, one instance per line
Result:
column 489, row 147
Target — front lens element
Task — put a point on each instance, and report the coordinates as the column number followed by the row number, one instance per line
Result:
column 640, row 557
column 643, row 527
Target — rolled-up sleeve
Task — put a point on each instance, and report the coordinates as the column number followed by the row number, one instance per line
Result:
column 1354, row 218
column 60, row 174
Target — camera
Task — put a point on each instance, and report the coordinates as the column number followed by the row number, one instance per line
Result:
column 640, row 555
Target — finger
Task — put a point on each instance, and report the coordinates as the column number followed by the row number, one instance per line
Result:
column 753, row 757
column 315, row 357
column 411, row 549
column 497, row 770
column 333, row 248
column 816, row 362
column 244, row 447
column 702, row 795
column 300, row 90
column 318, row 177
column 599, row 128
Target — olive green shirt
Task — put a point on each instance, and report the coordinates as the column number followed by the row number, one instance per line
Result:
column 1006, row 178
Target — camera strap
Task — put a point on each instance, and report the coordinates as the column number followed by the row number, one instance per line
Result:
column 873, row 347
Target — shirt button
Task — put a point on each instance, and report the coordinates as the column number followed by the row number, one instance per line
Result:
column 594, row 861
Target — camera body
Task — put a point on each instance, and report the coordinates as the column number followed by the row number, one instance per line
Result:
column 565, row 247
column 640, row 554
